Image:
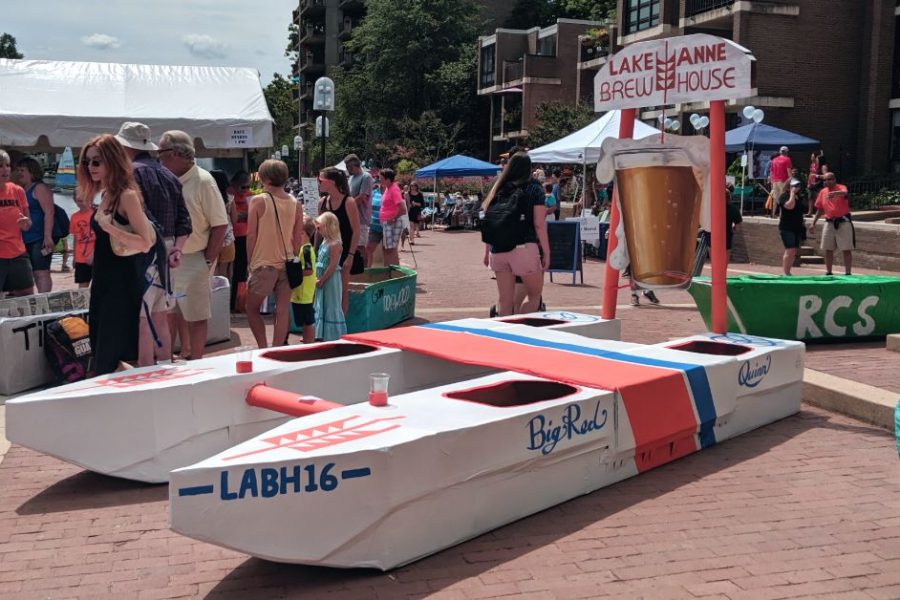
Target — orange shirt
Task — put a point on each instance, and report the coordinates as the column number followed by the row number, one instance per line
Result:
column 84, row 236
column 12, row 206
column 836, row 206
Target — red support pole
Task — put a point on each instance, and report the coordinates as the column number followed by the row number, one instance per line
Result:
column 611, row 278
column 717, row 215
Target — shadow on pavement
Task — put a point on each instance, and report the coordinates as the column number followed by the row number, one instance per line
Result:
column 514, row 541
column 88, row 490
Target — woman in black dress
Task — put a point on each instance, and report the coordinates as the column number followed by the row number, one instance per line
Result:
column 118, row 281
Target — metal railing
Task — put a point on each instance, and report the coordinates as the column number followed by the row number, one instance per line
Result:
column 695, row 7
column 512, row 70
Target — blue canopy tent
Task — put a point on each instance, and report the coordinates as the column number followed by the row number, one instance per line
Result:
column 457, row 166
column 765, row 137
column 761, row 137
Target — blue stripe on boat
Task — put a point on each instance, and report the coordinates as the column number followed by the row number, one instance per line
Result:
column 198, row 490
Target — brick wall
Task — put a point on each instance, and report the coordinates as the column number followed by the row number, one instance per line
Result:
column 877, row 244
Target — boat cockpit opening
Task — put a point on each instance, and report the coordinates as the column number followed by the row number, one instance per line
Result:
column 514, row 393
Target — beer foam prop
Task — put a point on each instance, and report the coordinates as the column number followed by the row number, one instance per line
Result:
column 341, row 488
column 142, row 423
column 23, row 365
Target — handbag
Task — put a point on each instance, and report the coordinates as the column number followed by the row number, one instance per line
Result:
column 292, row 267
column 359, row 264
column 119, row 248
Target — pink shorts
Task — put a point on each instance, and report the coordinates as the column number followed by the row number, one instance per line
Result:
column 522, row 260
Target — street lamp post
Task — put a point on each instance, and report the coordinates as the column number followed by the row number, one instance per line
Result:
column 323, row 101
column 298, row 146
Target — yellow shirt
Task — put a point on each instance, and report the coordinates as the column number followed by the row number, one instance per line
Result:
column 306, row 291
column 205, row 205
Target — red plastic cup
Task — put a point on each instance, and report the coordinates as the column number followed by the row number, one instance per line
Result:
column 243, row 362
column 378, row 389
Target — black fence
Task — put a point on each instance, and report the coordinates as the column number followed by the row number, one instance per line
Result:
column 695, row 7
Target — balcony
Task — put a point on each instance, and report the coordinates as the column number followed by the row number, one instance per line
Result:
column 313, row 34
column 592, row 50
column 695, row 7
column 306, row 90
column 352, row 6
column 513, row 70
column 345, row 29
column 345, row 58
column 310, row 8
column 311, row 63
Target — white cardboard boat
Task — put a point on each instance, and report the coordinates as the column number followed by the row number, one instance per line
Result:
column 142, row 423
column 363, row 486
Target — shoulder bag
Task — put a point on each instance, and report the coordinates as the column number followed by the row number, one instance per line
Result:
column 292, row 267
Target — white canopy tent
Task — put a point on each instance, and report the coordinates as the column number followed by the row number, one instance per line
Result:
column 583, row 146
column 48, row 105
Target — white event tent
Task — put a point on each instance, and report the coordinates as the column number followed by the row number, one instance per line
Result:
column 583, row 146
column 48, row 105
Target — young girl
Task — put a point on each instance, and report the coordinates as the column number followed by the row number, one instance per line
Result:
column 84, row 238
column 303, row 296
column 330, row 324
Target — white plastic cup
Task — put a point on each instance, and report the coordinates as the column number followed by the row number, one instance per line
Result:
column 243, row 359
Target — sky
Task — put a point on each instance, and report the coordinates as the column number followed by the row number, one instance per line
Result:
column 233, row 33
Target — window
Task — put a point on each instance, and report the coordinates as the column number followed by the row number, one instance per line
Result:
column 547, row 46
column 487, row 65
column 641, row 15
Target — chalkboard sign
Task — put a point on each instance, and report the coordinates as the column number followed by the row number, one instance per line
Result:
column 565, row 248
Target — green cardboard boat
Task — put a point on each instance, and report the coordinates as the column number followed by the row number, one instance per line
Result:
column 807, row 308
column 379, row 298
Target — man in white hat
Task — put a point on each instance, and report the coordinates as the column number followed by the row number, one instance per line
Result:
column 779, row 173
column 165, row 203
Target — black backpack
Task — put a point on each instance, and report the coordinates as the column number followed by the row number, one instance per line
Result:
column 60, row 223
column 505, row 225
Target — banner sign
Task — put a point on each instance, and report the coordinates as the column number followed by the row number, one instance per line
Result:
column 690, row 68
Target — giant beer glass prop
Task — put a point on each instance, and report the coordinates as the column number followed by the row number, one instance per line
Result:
column 660, row 196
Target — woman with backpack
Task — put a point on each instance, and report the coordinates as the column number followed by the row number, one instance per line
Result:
column 516, row 242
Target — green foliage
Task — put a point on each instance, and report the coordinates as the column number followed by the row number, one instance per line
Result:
column 280, row 100
column 415, row 80
column 8, row 47
column 557, row 119
column 540, row 13
column 874, row 200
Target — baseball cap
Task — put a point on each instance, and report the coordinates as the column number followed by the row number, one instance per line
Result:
column 795, row 182
column 784, row 149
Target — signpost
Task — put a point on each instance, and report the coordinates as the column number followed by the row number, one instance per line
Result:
column 692, row 68
column 565, row 248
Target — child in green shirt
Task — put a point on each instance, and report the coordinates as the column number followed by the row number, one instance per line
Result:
column 303, row 294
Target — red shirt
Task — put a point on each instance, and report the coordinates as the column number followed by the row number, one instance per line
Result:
column 780, row 168
column 84, row 236
column 836, row 206
column 241, row 213
column 12, row 206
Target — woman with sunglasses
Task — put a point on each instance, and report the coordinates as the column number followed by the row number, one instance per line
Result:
column 117, row 287
column 333, row 183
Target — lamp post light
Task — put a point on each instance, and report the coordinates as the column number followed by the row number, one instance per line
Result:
column 323, row 101
column 298, row 146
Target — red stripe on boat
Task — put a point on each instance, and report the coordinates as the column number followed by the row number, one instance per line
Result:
column 657, row 400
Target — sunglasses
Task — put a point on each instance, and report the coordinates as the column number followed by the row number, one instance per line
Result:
column 96, row 162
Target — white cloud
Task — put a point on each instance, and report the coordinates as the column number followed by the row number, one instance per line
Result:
column 205, row 46
column 101, row 41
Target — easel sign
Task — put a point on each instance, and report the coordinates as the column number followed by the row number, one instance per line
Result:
column 310, row 187
column 565, row 248
column 681, row 69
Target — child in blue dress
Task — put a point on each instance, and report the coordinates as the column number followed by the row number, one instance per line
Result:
column 330, row 323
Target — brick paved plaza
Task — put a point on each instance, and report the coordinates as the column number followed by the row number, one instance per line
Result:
column 808, row 507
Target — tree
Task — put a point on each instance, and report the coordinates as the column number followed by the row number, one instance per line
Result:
column 556, row 120
column 8, row 47
column 280, row 100
column 540, row 13
column 413, row 57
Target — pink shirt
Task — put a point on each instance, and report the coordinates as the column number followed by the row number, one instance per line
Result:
column 780, row 168
column 391, row 201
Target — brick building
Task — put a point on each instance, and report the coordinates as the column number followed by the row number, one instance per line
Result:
column 824, row 69
column 520, row 69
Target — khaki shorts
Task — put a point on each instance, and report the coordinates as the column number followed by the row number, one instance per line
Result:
column 837, row 239
column 522, row 260
column 192, row 292
column 157, row 298
column 265, row 280
column 777, row 189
